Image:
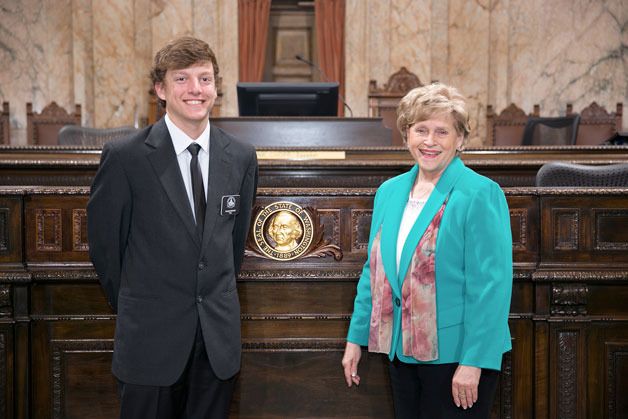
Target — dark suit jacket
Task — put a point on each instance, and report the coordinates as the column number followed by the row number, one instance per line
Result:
column 157, row 274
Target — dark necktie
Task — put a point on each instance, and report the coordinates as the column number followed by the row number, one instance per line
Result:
column 198, row 192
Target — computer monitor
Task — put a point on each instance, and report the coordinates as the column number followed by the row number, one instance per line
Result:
column 288, row 99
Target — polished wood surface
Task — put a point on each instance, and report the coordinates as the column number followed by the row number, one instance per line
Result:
column 568, row 318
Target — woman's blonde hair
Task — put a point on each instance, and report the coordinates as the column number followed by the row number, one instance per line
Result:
column 422, row 103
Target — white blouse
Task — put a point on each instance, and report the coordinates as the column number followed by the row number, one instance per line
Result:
column 410, row 214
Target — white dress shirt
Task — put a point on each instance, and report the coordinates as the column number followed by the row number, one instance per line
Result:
column 181, row 141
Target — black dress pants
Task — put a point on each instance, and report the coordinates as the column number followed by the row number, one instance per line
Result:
column 423, row 391
column 197, row 394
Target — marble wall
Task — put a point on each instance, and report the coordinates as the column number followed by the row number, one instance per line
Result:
column 98, row 53
column 495, row 51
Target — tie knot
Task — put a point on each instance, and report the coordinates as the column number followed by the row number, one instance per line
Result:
column 194, row 149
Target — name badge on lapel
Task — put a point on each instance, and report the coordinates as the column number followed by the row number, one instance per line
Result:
column 230, row 204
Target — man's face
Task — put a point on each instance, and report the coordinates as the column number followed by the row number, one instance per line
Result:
column 285, row 228
column 189, row 94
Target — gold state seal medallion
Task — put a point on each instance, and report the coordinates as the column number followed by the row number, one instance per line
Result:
column 283, row 231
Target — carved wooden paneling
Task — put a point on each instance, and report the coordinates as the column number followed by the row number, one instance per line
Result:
column 611, row 229
column 569, row 299
column 567, row 374
column 360, row 228
column 566, row 223
column 6, row 305
column 10, row 231
column 79, row 230
column 81, row 371
column 617, row 379
column 330, row 219
column 519, row 226
column 48, row 227
column 4, row 374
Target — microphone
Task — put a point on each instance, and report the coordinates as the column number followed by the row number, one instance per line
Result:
column 324, row 76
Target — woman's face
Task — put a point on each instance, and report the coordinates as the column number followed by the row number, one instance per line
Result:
column 433, row 143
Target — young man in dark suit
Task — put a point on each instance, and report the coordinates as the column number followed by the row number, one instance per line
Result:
column 168, row 217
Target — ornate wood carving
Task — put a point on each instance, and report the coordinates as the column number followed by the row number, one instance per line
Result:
column 331, row 218
column 43, row 127
column 48, row 229
column 292, row 274
column 319, row 248
column 4, row 230
column 616, row 355
column 400, row 82
column 567, row 374
column 79, row 230
column 594, row 114
column 506, row 387
column 3, row 374
column 566, row 224
column 282, row 345
column 58, row 349
column 6, row 305
column 569, row 299
column 519, row 222
column 360, row 227
column 607, row 222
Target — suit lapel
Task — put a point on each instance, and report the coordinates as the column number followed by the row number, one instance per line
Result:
column 220, row 161
column 395, row 205
column 435, row 201
column 164, row 161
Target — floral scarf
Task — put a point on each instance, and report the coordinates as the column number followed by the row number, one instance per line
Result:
column 418, row 299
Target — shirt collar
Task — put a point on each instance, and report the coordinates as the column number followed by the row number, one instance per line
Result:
column 181, row 141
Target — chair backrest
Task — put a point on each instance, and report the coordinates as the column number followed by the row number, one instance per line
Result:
column 77, row 135
column 43, row 128
column 561, row 130
column 597, row 125
column 5, row 122
column 568, row 174
column 383, row 101
column 507, row 127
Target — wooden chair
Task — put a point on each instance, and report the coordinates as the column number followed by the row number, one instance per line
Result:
column 508, row 127
column 43, row 128
column 156, row 111
column 5, row 123
column 383, row 101
column 597, row 125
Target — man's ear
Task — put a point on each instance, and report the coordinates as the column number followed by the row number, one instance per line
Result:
column 160, row 90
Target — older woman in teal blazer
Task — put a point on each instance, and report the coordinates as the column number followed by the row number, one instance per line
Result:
column 434, row 294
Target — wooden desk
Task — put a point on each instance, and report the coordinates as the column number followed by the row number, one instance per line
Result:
column 569, row 319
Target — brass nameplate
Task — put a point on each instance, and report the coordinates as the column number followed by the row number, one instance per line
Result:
column 301, row 155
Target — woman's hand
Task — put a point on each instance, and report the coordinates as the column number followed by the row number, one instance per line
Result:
column 464, row 385
column 350, row 363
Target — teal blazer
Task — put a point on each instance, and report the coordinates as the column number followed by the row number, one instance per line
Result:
column 473, row 266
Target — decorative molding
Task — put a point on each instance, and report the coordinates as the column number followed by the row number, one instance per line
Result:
column 48, row 229
column 4, row 230
column 300, row 345
column 506, row 387
column 3, row 374
column 295, row 316
column 63, row 274
column 79, row 230
column 565, row 223
column 595, row 113
column 357, row 217
column 296, row 274
column 520, row 215
column 615, row 352
column 580, row 276
column 334, row 220
column 601, row 215
column 567, row 375
column 569, row 299
column 6, row 305
column 282, row 192
column 58, row 348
